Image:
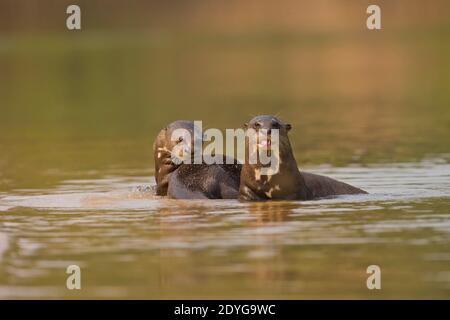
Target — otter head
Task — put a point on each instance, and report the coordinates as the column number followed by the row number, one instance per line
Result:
column 173, row 145
column 266, row 133
column 267, row 122
column 282, row 179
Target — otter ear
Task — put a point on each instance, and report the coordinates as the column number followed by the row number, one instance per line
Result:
column 246, row 125
column 288, row 127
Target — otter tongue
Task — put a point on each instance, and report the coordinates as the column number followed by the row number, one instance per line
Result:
column 265, row 143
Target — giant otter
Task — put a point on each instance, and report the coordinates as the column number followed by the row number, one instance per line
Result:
column 191, row 181
column 162, row 151
column 288, row 183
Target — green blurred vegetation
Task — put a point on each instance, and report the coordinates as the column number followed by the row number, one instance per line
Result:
column 95, row 98
column 87, row 105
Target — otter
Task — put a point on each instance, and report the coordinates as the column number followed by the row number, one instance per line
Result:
column 191, row 181
column 288, row 183
column 162, row 152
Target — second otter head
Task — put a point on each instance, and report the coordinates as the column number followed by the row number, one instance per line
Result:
column 173, row 145
column 175, row 142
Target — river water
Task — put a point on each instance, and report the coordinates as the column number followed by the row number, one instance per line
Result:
column 79, row 112
column 132, row 244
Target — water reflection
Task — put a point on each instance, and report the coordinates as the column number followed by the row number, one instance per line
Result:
column 132, row 244
column 79, row 113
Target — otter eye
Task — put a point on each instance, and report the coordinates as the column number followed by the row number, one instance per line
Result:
column 180, row 139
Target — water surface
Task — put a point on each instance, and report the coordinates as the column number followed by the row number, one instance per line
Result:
column 132, row 244
column 79, row 112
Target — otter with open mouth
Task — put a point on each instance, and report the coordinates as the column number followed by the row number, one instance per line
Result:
column 288, row 183
column 190, row 181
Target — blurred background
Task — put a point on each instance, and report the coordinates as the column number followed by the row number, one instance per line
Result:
column 96, row 98
column 79, row 111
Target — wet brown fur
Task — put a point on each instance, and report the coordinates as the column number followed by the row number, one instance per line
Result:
column 192, row 181
column 288, row 183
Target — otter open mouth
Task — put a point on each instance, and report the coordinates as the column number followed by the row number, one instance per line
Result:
column 265, row 143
